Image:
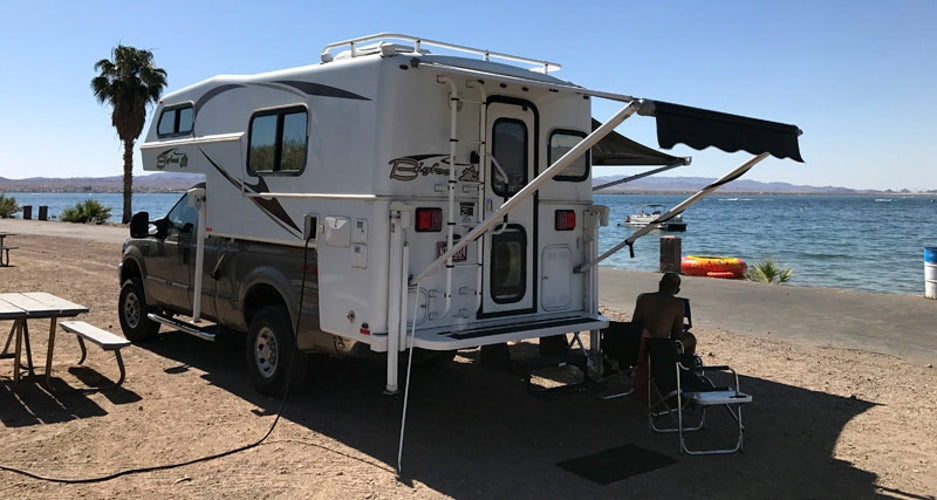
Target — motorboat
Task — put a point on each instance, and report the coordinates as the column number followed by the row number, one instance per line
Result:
column 651, row 212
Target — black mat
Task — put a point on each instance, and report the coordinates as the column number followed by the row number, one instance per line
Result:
column 616, row 464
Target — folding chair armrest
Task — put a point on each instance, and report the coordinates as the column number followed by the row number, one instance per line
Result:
column 705, row 368
column 720, row 368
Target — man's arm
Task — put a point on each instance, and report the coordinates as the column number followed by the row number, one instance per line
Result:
column 639, row 308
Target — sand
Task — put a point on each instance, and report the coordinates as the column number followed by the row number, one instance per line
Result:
column 827, row 421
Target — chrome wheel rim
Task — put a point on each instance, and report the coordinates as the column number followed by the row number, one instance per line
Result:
column 132, row 310
column 265, row 352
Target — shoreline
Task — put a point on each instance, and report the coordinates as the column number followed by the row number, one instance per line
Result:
column 895, row 324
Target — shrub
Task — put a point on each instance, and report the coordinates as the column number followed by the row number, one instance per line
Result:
column 86, row 211
column 8, row 207
column 768, row 271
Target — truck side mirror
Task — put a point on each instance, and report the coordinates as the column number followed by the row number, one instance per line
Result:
column 139, row 225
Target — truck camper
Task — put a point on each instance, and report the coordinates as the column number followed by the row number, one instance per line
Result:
column 400, row 193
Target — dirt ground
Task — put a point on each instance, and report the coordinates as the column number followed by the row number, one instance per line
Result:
column 826, row 422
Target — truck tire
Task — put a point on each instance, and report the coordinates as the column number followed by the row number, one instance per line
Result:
column 271, row 350
column 132, row 311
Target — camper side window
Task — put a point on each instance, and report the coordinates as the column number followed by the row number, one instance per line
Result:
column 561, row 141
column 278, row 140
column 176, row 120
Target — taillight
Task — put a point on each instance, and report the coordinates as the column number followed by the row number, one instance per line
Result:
column 565, row 220
column 428, row 219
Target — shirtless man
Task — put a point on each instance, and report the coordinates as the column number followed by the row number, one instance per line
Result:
column 661, row 313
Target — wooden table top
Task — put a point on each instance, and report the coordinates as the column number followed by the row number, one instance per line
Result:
column 37, row 305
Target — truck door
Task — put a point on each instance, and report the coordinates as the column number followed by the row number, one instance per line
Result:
column 169, row 266
column 508, row 260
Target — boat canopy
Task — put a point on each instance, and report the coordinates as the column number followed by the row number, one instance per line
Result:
column 616, row 149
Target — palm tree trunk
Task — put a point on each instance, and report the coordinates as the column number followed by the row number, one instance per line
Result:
column 128, row 180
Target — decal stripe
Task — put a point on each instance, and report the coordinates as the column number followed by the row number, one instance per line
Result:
column 212, row 94
column 311, row 88
column 270, row 207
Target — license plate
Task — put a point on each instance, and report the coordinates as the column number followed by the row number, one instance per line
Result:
column 459, row 256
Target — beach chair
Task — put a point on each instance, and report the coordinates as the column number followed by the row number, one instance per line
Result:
column 621, row 349
column 676, row 390
column 621, row 343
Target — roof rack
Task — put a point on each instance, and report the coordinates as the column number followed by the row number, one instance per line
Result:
column 540, row 66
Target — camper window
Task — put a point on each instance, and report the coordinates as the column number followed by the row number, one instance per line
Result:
column 278, row 141
column 508, row 265
column 561, row 141
column 509, row 148
column 175, row 120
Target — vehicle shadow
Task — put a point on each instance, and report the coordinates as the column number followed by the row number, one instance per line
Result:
column 473, row 432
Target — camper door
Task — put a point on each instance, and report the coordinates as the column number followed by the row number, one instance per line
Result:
column 509, row 267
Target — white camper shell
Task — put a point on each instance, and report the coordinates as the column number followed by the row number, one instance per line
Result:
column 444, row 198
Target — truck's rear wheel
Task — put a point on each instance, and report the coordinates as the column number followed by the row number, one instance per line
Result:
column 132, row 311
column 271, row 350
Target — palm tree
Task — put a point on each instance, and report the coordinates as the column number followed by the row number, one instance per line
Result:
column 128, row 83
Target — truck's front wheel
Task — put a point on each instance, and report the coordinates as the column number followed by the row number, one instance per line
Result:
column 272, row 358
column 132, row 312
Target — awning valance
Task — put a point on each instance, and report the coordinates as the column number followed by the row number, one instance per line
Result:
column 701, row 128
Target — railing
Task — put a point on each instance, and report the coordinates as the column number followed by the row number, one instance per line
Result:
column 540, row 66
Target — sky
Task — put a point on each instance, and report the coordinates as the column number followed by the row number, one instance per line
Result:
column 858, row 77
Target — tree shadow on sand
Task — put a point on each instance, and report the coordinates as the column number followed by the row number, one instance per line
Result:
column 474, row 432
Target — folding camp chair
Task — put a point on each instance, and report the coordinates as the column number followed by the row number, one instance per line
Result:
column 678, row 389
column 621, row 343
column 621, row 347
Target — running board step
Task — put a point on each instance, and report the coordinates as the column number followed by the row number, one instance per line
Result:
column 182, row 326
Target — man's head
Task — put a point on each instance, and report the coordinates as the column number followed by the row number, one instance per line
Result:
column 669, row 283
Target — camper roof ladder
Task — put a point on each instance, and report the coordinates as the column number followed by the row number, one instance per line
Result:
column 540, row 66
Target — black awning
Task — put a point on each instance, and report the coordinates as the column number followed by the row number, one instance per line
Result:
column 616, row 149
column 701, row 128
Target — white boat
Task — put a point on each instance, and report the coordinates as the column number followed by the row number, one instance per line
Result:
column 649, row 213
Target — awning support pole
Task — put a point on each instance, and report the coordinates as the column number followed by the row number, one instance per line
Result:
column 638, row 176
column 675, row 211
column 527, row 191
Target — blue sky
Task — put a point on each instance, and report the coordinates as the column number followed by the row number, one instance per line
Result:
column 858, row 77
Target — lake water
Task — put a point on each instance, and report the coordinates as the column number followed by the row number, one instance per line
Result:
column 868, row 243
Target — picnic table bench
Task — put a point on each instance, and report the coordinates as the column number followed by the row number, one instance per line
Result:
column 5, row 250
column 103, row 338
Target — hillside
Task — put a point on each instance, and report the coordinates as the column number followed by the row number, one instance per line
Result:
column 693, row 184
column 162, row 182
column 152, row 183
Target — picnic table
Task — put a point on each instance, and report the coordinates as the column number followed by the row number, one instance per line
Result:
column 5, row 250
column 22, row 307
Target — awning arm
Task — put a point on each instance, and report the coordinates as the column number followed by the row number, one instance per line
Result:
column 533, row 186
column 675, row 211
column 638, row 176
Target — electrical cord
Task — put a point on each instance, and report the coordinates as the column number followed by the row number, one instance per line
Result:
column 176, row 465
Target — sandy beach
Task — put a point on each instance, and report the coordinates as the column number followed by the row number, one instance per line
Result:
column 844, row 383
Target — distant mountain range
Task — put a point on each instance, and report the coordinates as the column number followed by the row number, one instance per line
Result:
column 693, row 184
column 170, row 181
column 152, row 183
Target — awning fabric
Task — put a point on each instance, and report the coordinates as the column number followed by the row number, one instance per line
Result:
column 701, row 128
column 616, row 149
